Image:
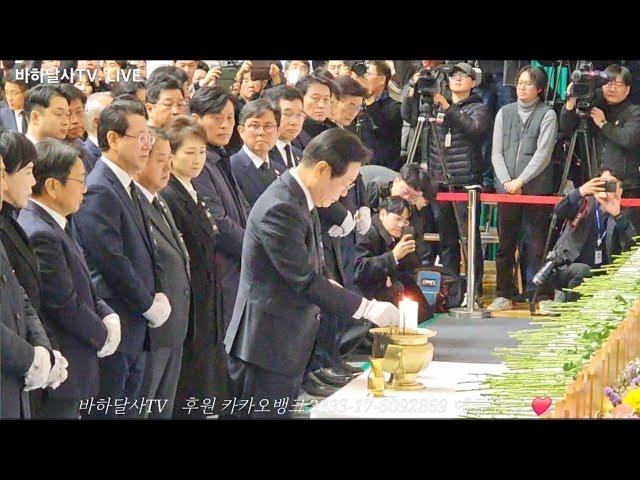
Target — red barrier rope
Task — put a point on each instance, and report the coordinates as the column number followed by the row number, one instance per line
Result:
column 522, row 199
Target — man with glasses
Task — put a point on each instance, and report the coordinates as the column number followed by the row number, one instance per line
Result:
column 462, row 127
column 290, row 102
column 113, row 229
column 77, row 119
column 615, row 126
column 382, row 129
column 165, row 100
column 13, row 116
column 48, row 111
column 251, row 166
column 84, row 326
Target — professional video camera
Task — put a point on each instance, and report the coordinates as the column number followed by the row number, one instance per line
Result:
column 433, row 80
column 359, row 67
column 555, row 260
column 585, row 82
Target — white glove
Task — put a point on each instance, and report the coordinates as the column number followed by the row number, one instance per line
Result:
column 112, row 322
column 348, row 224
column 38, row 373
column 363, row 220
column 159, row 311
column 383, row 314
column 58, row 373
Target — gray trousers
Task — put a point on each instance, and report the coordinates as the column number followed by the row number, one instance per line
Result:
column 160, row 381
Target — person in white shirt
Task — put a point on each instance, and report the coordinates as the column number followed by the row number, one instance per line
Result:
column 13, row 117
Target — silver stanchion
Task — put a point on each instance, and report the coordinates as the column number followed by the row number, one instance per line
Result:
column 470, row 311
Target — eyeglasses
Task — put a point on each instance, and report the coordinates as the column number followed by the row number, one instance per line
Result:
column 615, row 85
column 300, row 116
column 143, row 138
column 81, row 182
column 256, row 127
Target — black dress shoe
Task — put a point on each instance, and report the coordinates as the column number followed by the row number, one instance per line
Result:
column 332, row 377
column 314, row 386
column 349, row 369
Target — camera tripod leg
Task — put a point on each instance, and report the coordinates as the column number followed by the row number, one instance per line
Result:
column 554, row 218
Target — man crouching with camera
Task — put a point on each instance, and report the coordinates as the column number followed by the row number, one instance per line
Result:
column 595, row 229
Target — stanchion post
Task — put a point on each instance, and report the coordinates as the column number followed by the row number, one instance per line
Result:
column 470, row 311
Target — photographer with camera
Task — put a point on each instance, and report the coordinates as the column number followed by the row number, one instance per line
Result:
column 463, row 128
column 595, row 230
column 386, row 257
column 615, row 127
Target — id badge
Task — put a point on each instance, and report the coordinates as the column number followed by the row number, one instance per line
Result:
column 447, row 139
column 598, row 259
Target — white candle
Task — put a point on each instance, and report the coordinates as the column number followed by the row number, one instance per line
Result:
column 408, row 314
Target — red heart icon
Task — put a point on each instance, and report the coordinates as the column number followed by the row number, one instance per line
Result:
column 541, row 405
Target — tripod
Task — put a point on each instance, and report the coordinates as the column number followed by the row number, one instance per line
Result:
column 426, row 109
column 592, row 169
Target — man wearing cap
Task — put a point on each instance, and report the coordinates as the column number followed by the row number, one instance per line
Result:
column 462, row 127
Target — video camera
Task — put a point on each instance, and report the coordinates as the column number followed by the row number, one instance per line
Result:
column 585, row 82
column 433, row 80
column 554, row 261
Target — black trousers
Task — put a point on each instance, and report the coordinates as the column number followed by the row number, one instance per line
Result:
column 121, row 377
column 160, row 380
column 450, row 237
column 57, row 409
column 529, row 222
column 254, row 384
column 570, row 276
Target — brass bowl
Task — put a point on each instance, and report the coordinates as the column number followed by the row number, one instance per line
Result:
column 408, row 352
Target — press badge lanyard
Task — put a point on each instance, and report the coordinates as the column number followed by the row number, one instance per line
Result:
column 598, row 251
column 604, row 233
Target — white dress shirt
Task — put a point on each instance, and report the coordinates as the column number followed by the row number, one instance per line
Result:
column 280, row 145
column 257, row 161
column 59, row 219
column 18, row 114
column 189, row 188
column 124, row 177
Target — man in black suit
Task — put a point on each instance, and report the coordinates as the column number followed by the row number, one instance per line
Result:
column 289, row 101
column 25, row 355
column 212, row 108
column 13, row 116
column 77, row 119
column 164, row 359
column 117, row 240
column 84, row 326
column 283, row 287
column 48, row 112
column 251, row 166
column 96, row 102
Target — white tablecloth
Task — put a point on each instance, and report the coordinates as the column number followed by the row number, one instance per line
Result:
column 443, row 396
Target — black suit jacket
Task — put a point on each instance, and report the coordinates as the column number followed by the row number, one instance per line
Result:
column 276, row 156
column 199, row 232
column 111, row 231
column 16, row 347
column 282, row 288
column 70, row 306
column 375, row 261
column 20, row 254
column 230, row 209
column 174, row 258
column 248, row 176
column 91, row 154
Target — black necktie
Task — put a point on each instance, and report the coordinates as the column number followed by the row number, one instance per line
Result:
column 267, row 173
column 154, row 251
column 290, row 161
column 25, row 124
